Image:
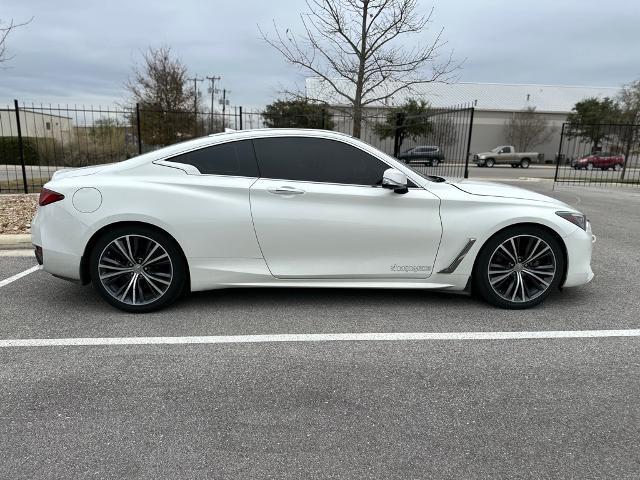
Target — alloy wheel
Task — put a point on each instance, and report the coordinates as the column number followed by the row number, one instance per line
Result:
column 521, row 268
column 135, row 269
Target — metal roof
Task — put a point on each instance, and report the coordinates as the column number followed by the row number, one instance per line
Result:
column 484, row 96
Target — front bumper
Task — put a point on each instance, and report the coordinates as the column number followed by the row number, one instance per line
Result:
column 579, row 249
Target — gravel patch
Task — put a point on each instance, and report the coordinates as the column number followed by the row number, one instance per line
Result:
column 16, row 212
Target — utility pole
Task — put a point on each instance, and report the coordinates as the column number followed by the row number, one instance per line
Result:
column 195, row 102
column 213, row 92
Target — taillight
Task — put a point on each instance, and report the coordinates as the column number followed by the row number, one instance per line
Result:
column 49, row 196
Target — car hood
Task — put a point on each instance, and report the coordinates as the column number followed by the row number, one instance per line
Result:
column 491, row 189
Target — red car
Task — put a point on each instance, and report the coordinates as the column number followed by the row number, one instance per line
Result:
column 601, row 160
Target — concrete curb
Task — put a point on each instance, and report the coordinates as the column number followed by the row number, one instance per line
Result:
column 13, row 241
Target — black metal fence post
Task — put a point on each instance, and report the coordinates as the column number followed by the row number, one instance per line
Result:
column 21, row 148
column 240, row 109
column 396, row 137
column 139, row 130
column 466, row 160
column 323, row 118
column 559, row 155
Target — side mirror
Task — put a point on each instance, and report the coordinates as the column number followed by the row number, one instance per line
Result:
column 394, row 180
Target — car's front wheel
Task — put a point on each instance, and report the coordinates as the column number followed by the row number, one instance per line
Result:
column 137, row 269
column 519, row 267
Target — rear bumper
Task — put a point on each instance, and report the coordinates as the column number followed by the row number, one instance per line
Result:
column 59, row 238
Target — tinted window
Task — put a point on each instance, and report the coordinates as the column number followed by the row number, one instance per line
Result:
column 231, row 158
column 317, row 160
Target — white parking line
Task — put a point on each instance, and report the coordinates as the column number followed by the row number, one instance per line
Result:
column 316, row 337
column 18, row 276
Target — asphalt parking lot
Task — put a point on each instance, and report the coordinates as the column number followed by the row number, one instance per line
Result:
column 502, row 408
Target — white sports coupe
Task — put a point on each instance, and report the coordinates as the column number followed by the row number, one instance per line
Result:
column 300, row 208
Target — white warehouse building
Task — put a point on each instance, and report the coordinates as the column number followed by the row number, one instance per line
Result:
column 494, row 104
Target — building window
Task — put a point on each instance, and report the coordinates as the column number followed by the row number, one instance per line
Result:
column 48, row 125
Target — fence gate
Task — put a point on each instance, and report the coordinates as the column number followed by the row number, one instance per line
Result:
column 599, row 154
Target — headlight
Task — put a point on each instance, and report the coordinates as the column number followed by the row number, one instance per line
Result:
column 578, row 219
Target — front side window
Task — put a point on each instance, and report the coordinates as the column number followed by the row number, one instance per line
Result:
column 231, row 158
column 317, row 160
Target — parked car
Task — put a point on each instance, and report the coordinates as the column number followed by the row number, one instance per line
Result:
column 601, row 160
column 300, row 208
column 503, row 155
column 425, row 155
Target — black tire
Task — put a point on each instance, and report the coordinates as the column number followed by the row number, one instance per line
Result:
column 434, row 162
column 138, row 234
column 490, row 162
column 482, row 285
column 589, row 166
column 524, row 163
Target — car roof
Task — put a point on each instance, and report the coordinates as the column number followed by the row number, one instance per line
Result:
column 233, row 135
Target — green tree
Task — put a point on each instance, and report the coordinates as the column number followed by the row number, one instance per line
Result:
column 105, row 128
column 410, row 120
column 160, row 86
column 590, row 119
column 296, row 113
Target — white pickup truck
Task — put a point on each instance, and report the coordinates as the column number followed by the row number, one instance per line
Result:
column 503, row 155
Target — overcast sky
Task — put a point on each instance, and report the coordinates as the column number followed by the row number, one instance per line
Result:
column 80, row 51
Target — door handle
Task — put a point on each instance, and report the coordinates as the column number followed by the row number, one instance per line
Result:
column 286, row 191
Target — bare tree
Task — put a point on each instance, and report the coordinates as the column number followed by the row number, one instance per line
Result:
column 161, row 82
column 525, row 130
column 358, row 50
column 166, row 99
column 629, row 133
column 4, row 34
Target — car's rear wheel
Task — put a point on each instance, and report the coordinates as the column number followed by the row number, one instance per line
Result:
column 617, row 167
column 490, row 162
column 525, row 163
column 137, row 269
column 519, row 267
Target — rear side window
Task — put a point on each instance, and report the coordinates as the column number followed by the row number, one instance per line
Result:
column 231, row 158
column 317, row 160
